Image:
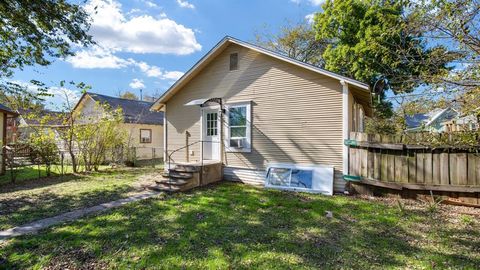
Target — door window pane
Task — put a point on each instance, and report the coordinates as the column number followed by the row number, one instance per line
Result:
column 211, row 123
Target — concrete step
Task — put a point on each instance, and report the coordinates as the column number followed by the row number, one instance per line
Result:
column 180, row 175
column 186, row 168
column 163, row 188
column 173, row 182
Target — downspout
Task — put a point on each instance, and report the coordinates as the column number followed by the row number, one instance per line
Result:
column 165, row 137
column 345, row 127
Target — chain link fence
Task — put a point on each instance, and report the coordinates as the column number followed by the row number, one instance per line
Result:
column 22, row 162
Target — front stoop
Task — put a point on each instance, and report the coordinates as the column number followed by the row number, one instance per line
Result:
column 185, row 176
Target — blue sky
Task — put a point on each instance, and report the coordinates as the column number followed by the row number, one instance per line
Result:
column 148, row 44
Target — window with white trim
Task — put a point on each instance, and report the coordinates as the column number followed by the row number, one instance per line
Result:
column 239, row 127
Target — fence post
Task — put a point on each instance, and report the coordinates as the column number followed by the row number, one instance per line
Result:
column 62, row 159
column 39, row 172
column 153, row 157
column 134, row 156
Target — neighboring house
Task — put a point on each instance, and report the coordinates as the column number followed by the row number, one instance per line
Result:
column 29, row 122
column 144, row 127
column 5, row 114
column 276, row 110
column 434, row 121
column 463, row 123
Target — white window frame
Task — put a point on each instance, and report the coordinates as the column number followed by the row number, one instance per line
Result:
column 248, row 134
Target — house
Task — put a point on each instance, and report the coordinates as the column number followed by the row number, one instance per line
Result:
column 433, row 121
column 29, row 122
column 251, row 108
column 5, row 114
column 463, row 123
column 144, row 127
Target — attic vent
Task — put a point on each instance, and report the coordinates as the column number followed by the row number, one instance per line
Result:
column 234, row 61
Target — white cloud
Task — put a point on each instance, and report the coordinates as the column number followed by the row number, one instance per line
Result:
column 100, row 58
column 157, row 72
column 185, row 4
column 137, row 84
column 140, row 33
column 58, row 98
column 151, row 4
column 173, row 75
column 310, row 18
column 312, row 2
column 97, row 58
column 317, row 2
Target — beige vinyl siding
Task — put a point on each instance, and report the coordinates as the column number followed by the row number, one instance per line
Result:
column 144, row 150
column 296, row 113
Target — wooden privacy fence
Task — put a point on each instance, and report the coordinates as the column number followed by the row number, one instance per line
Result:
column 391, row 162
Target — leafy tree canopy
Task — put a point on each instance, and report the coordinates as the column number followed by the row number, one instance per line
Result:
column 35, row 32
column 32, row 31
column 128, row 95
column 372, row 40
column 297, row 41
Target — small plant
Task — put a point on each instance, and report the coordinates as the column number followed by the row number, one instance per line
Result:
column 401, row 207
column 467, row 220
column 433, row 203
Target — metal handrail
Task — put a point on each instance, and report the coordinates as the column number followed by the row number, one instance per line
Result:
column 186, row 146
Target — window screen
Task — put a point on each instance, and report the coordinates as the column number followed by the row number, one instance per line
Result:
column 234, row 61
column 237, row 117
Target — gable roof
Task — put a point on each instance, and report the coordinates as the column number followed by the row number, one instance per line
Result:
column 426, row 119
column 217, row 49
column 134, row 111
column 7, row 110
column 54, row 118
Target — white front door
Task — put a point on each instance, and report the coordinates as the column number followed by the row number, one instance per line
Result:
column 211, row 134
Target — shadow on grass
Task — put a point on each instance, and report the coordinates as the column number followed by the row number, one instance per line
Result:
column 232, row 225
column 29, row 202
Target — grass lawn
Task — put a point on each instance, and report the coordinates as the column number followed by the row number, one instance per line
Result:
column 237, row 226
column 33, row 172
column 27, row 201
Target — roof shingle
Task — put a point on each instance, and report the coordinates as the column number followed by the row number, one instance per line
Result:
column 134, row 111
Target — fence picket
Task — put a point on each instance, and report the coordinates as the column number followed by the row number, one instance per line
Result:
column 412, row 167
column 453, row 169
column 414, row 164
column 462, row 168
column 420, row 166
column 444, row 168
column 427, row 166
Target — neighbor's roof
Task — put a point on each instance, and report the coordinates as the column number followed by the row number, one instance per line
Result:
column 230, row 40
column 425, row 119
column 134, row 111
column 7, row 110
column 53, row 118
